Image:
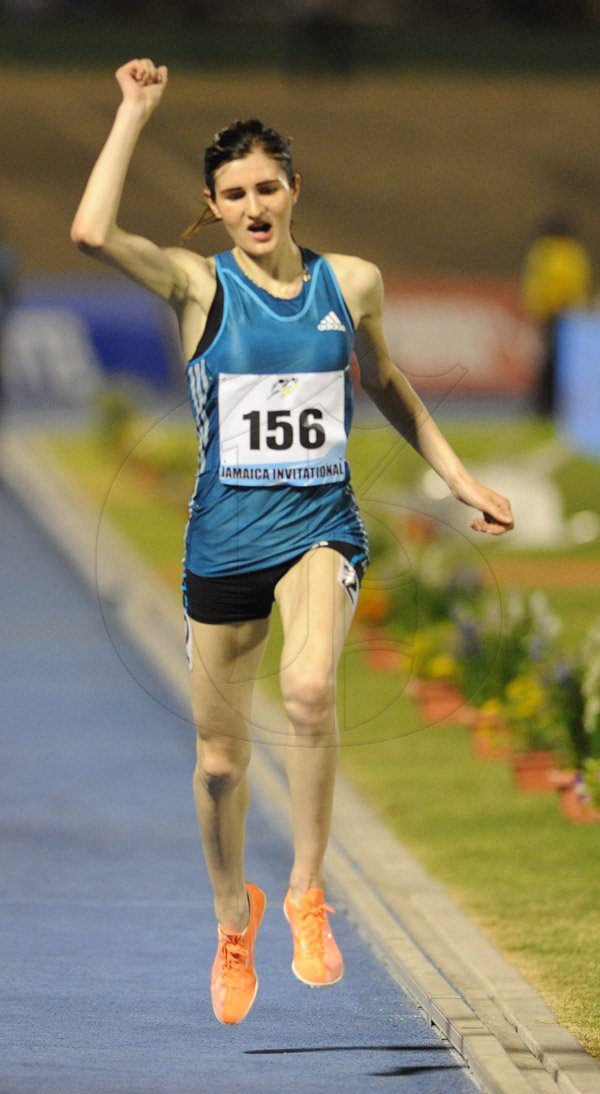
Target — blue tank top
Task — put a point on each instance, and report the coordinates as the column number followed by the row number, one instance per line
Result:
column 271, row 396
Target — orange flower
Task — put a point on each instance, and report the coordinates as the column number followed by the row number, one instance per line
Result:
column 374, row 606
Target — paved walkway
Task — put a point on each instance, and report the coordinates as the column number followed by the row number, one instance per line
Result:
column 107, row 932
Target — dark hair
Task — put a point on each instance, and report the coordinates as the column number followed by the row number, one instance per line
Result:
column 234, row 142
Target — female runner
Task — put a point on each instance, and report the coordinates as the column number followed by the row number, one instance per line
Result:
column 268, row 329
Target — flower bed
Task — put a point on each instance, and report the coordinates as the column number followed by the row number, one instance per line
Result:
column 494, row 663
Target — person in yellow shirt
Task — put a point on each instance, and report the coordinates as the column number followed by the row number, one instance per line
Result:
column 557, row 275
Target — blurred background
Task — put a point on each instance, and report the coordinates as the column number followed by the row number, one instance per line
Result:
column 437, row 139
column 452, row 142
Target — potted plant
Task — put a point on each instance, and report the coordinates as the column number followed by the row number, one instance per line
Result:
column 424, row 602
column 437, row 691
column 590, row 687
column 500, row 642
column 491, row 735
column 591, row 785
column 577, row 692
column 537, row 730
column 580, row 796
column 426, row 646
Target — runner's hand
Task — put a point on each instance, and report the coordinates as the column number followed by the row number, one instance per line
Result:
column 496, row 512
column 142, row 83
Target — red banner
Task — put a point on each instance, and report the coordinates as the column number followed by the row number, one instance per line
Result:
column 461, row 335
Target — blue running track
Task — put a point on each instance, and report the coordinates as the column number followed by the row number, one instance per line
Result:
column 107, row 930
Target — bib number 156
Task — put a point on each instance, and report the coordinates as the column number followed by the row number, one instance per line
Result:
column 281, row 432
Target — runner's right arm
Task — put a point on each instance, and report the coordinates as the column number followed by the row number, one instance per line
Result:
column 95, row 229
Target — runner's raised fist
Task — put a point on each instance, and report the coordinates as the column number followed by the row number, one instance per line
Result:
column 141, row 81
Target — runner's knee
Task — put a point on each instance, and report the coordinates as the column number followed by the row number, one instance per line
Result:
column 220, row 770
column 308, row 695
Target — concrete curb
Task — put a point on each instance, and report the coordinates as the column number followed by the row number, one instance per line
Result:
column 489, row 1013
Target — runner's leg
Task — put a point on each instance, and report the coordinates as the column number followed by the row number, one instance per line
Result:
column 316, row 612
column 225, row 661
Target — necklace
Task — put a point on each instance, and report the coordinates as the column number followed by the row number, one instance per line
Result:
column 304, row 274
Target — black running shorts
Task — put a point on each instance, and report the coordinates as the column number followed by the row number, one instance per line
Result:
column 237, row 598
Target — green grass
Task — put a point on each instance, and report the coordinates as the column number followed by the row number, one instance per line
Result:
column 151, row 509
column 526, row 877
column 523, row 873
column 577, row 607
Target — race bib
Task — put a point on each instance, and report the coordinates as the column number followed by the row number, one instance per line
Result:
column 282, row 429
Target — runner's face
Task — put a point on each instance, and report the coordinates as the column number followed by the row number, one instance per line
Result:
column 254, row 200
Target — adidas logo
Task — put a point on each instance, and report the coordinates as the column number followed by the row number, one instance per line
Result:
column 330, row 322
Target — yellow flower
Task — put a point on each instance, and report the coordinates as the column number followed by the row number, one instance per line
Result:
column 442, row 666
column 490, row 709
column 525, row 696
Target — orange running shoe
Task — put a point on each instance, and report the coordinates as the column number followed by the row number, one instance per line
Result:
column 233, row 982
column 317, row 959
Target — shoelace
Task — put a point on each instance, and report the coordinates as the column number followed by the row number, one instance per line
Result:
column 313, row 926
column 234, row 959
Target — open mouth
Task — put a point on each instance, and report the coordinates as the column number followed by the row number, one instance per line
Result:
column 262, row 228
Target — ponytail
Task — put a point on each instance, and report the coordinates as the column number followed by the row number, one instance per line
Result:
column 206, row 218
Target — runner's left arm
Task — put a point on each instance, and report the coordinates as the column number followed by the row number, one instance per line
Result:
column 397, row 400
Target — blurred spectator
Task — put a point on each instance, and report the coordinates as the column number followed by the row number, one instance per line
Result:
column 557, row 275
